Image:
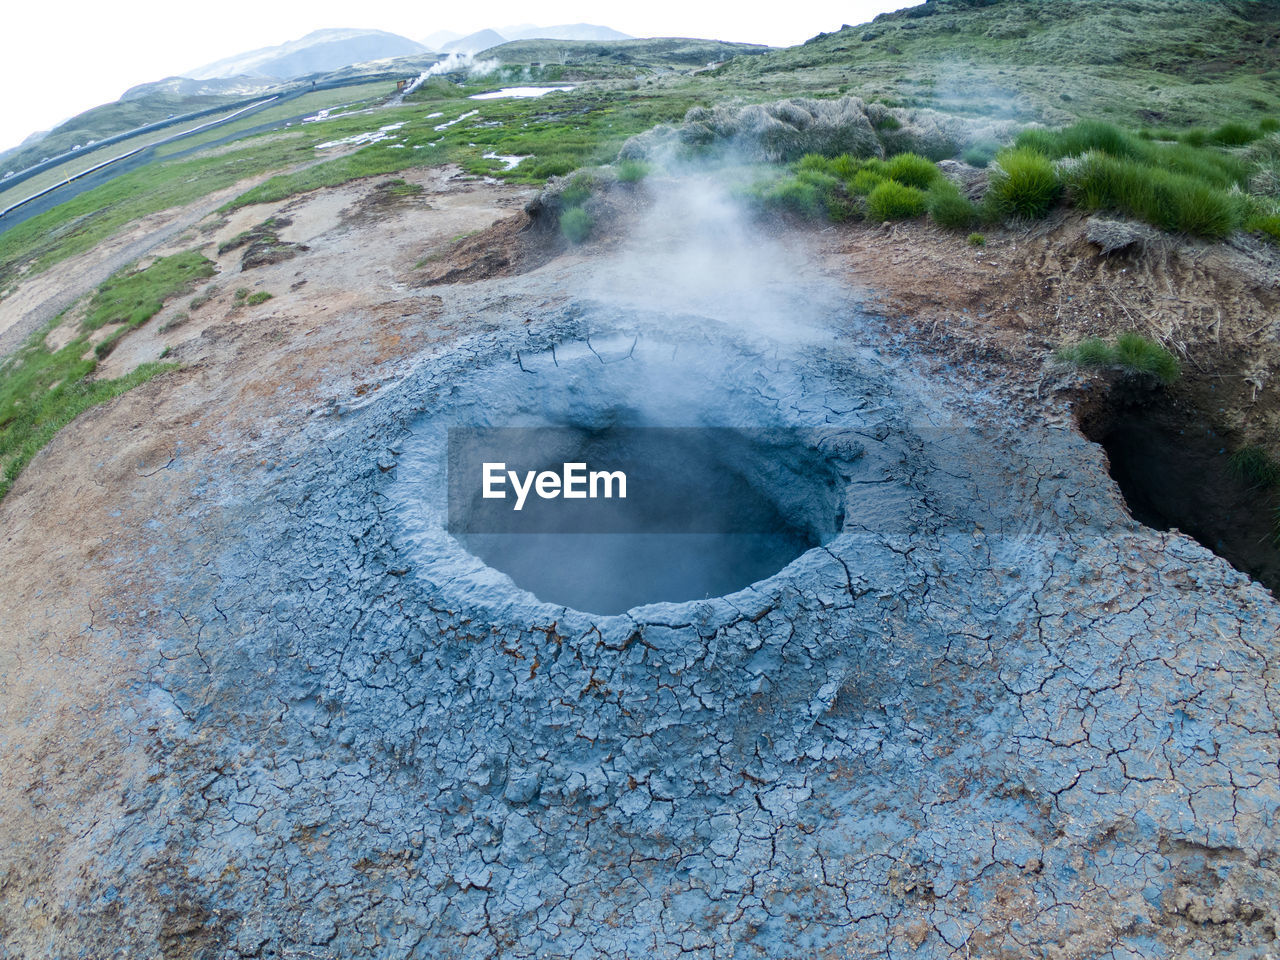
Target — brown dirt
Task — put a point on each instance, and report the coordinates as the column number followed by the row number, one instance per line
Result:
column 1015, row 300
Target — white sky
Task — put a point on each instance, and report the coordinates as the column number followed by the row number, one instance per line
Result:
column 61, row 57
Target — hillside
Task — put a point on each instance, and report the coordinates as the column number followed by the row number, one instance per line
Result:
column 1052, row 59
column 671, row 52
column 138, row 109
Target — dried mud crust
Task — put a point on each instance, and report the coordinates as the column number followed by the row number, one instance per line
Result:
column 244, row 725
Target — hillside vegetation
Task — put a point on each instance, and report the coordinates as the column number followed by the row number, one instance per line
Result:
column 1162, row 67
column 647, row 54
column 1132, row 61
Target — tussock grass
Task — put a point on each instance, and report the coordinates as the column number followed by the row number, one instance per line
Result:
column 1131, row 353
column 864, row 181
column 633, row 171
column 1171, row 201
column 980, row 154
column 834, row 187
column 1209, row 164
column 911, row 170
column 1023, row 183
column 576, row 224
column 1267, row 225
column 1235, row 134
column 1255, row 465
column 895, row 201
column 949, row 208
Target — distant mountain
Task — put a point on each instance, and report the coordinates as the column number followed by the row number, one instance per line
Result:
column 563, row 31
column 317, row 52
column 474, row 42
column 186, row 87
column 484, row 39
column 438, row 39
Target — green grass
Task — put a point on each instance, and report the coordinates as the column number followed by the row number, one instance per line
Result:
column 578, row 191
column 1210, row 164
column 1131, row 353
column 831, row 187
column 1234, row 134
column 895, row 201
column 633, row 171
column 977, row 240
column 911, row 170
column 400, row 187
column 947, row 207
column 86, row 220
column 1268, row 225
column 1181, row 187
column 1254, row 465
column 45, row 393
column 585, row 128
column 42, row 390
column 980, row 154
column 1171, row 201
column 864, row 181
column 256, row 298
column 1023, row 183
column 576, row 224
column 133, row 298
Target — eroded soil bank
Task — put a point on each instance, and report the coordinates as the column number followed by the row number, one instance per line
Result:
column 256, row 708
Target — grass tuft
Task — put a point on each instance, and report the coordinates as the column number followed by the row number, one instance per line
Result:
column 43, row 390
column 576, row 224
column 633, row 171
column 133, row 298
column 1168, row 200
column 1131, row 353
column 895, row 201
column 980, row 154
column 1023, row 183
column 912, row 170
column 1267, row 225
column 1256, row 466
column 948, row 207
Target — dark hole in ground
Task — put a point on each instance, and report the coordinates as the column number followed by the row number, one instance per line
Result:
column 774, row 498
column 1175, row 471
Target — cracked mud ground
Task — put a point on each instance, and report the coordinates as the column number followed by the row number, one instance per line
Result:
column 251, row 711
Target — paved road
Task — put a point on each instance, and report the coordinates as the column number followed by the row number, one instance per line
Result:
column 71, row 189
